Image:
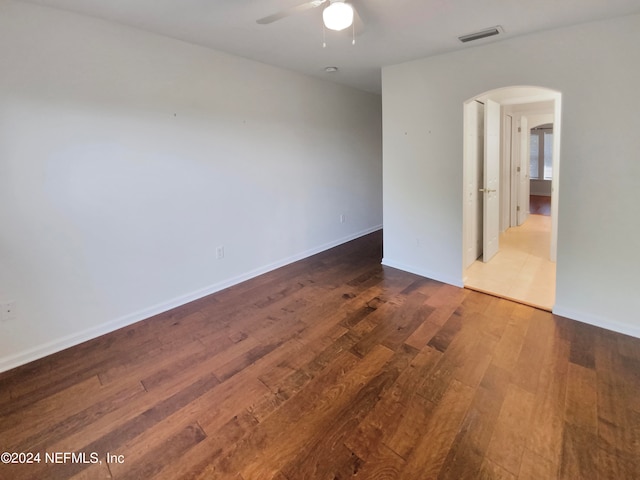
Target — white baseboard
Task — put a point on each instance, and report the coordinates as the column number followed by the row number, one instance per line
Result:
column 596, row 321
column 456, row 282
column 57, row 345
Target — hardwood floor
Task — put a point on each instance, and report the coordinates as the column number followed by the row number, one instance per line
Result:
column 333, row 368
column 539, row 205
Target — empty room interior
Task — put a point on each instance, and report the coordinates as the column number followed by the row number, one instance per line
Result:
column 330, row 239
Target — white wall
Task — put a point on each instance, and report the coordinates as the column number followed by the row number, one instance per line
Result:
column 596, row 67
column 540, row 187
column 126, row 158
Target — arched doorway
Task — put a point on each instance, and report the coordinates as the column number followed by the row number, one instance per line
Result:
column 496, row 194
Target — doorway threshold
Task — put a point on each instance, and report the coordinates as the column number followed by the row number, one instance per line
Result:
column 521, row 270
column 546, row 308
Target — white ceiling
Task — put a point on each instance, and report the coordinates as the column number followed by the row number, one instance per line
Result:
column 391, row 31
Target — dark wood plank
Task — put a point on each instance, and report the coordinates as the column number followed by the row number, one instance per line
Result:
column 51, row 432
column 579, row 453
column 583, row 346
column 510, row 431
column 582, row 398
column 535, row 467
column 545, row 435
column 152, row 460
column 440, row 430
column 321, row 458
column 395, row 420
column 493, row 471
column 540, row 205
column 467, row 454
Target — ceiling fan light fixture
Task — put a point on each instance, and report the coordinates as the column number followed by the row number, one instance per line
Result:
column 338, row 16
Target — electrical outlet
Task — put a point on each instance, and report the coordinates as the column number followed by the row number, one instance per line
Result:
column 220, row 252
column 343, row 218
column 8, row 310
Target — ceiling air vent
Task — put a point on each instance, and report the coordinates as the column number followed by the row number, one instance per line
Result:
column 489, row 32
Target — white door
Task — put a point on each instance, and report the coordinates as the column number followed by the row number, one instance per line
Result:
column 491, row 208
column 505, row 176
column 474, row 165
column 525, row 164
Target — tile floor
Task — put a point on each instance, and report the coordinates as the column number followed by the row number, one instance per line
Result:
column 521, row 270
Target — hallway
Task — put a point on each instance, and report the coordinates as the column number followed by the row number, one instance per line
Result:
column 521, row 270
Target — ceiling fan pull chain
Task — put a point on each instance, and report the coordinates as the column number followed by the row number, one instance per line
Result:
column 353, row 33
column 324, row 37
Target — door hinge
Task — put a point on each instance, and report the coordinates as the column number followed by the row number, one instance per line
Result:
column 518, row 208
column 519, row 129
column 518, row 170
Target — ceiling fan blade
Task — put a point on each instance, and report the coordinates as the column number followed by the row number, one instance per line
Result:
column 290, row 11
column 364, row 15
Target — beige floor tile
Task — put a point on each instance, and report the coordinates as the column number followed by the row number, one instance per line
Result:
column 521, row 270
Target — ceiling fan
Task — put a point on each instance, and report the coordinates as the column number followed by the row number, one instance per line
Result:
column 337, row 15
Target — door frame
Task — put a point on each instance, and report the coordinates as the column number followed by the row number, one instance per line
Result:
column 516, row 95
